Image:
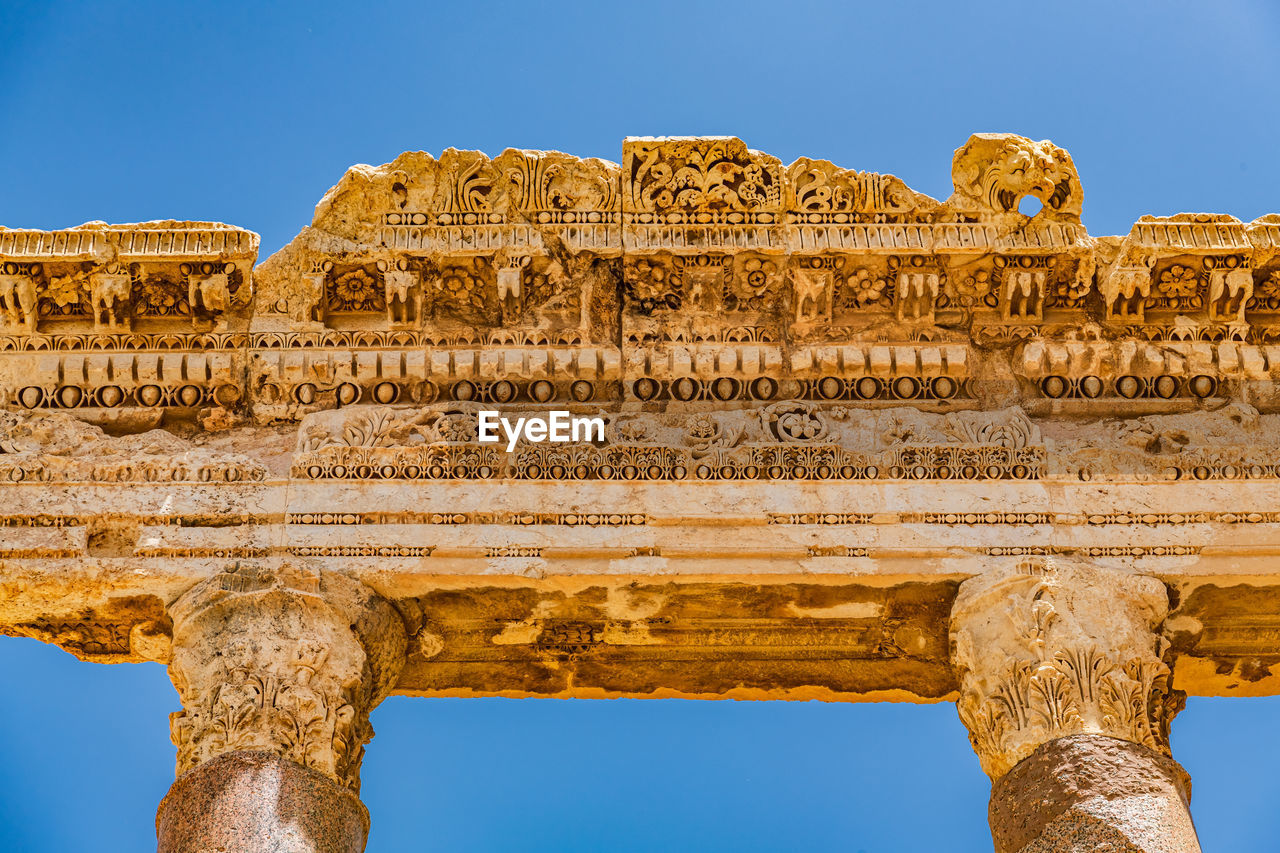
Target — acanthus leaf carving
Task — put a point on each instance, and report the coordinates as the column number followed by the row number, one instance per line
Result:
column 1054, row 648
column 701, row 177
column 276, row 658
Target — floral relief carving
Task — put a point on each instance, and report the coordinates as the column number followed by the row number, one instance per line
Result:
column 546, row 186
column 438, row 441
column 466, row 290
column 752, row 285
column 1178, row 282
column 864, row 290
column 795, row 421
column 1009, row 428
column 700, row 175
column 1052, row 648
column 969, row 290
column 820, row 191
column 706, row 433
column 356, row 291
column 278, row 659
column 66, row 296
column 650, row 285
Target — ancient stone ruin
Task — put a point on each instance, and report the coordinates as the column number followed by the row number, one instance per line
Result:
column 860, row 445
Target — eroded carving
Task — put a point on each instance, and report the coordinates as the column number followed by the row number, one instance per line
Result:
column 278, row 658
column 57, row 448
column 994, row 171
column 776, row 274
column 1054, row 648
column 18, row 300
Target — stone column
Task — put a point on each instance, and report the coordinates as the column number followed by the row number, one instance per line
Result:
column 277, row 669
column 1068, row 705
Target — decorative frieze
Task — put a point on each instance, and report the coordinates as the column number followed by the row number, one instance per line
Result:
column 57, row 448
column 698, row 270
column 521, row 519
column 794, row 440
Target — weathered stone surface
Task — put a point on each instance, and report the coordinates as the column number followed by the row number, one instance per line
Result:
column 256, row 802
column 91, row 563
column 55, row 447
column 1055, row 648
column 697, row 270
column 286, row 661
column 1067, row 700
column 1091, row 792
column 830, row 401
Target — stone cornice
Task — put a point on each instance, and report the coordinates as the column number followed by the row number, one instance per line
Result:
column 698, row 270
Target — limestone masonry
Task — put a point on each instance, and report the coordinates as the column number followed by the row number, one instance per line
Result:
column 860, row 444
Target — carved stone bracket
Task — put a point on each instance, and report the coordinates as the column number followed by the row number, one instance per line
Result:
column 275, row 659
column 1052, row 649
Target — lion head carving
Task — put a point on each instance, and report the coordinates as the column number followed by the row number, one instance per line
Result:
column 994, row 171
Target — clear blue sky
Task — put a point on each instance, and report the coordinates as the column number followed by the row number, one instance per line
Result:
column 247, row 112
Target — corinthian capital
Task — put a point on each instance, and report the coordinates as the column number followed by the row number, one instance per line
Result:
column 270, row 658
column 1051, row 649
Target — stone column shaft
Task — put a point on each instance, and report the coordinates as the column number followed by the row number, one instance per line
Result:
column 278, row 669
column 1068, row 703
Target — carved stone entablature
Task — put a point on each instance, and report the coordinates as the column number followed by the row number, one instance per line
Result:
column 122, row 321
column 291, row 384
column 1194, row 265
column 703, row 236
column 692, row 194
column 819, row 192
column 865, row 373
column 519, row 198
column 698, row 270
column 128, row 389
column 788, row 440
column 861, row 255
column 794, row 440
column 1179, row 369
column 458, row 278
column 1055, row 648
column 172, row 277
column 523, row 243
column 269, row 656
